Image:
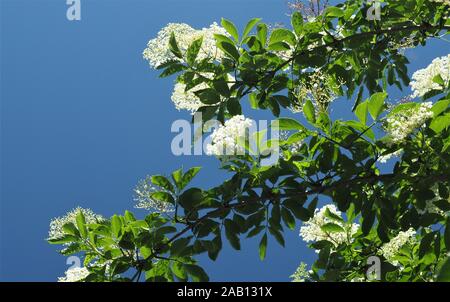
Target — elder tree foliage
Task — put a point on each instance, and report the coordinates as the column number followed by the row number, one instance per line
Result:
column 402, row 216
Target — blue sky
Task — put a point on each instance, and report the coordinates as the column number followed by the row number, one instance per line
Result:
column 83, row 118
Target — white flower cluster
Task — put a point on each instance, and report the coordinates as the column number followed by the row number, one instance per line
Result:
column 56, row 225
column 442, row 1
column 423, row 78
column 317, row 87
column 145, row 200
column 187, row 99
column 401, row 124
column 389, row 250
column 225, row 139
column 312, row 229
column 74, row 274
column 158, row 52
column 301, row 274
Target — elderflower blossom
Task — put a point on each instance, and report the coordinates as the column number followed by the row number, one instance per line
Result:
column 187, row 99
column 158, row 51
column 401, row 124
column 312, row 229
column 389, row 250
column 145, row 197
column 317, row 87
column 225, row 139
column 301, row 274
column 75, row 274
column 447, row 2
column 422, row 80
column 56, row 225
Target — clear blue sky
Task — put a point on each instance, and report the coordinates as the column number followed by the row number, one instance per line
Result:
column 83, row 118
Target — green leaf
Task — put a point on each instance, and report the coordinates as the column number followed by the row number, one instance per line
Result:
column 249, row 27
column 333, row 216
column 81, row 224
column 177, row 177
column 333, row 11
column 221, row 86
column 229, row 49
column 208, row 96
column 179, row 246
column 196, row 272
column 231, row 232
column 297, row 22
column 116, row 226
column 277, row 235
column 179, row 271
column 444, row 272
column 188, row 176
column 447, row 235
column 288, row 219
column 261, row 33
column 282, row 35
column 376, row 104
column 70, row 229
column 440, row 106
column 163, row 196
column 440, row 123
column 234, row 107
column 309, row 112
column 361, row 112
column 173, row 46
column 63, row 239
column 230, row 28
column 163, row 182
column 263, row 247
column 285, row 123
column 297, row 209
column 192, row 51
column 332, row 228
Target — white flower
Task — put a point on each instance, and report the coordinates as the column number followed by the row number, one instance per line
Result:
column 187, row 99
column 312, row 229
column 145, row 198
column 74, row 274
column 301, row 274
column 423, row 78
column 158, row 52
column 389, row 250
column 401, row 124
column 225, row 140
column 56, row 225
column 384, row 158
column 442, row 1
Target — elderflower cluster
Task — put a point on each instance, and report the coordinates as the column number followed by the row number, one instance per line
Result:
column 146, row 198
column 225, row 139
column 301, row 274
column 312, row 229
column 389, row 250
column 158, row 51
column 75, row 274
column 422, row 80
column 442, row 1
column 317, row 87
column 401, row 124
column 56, row 225
column 187, row 99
